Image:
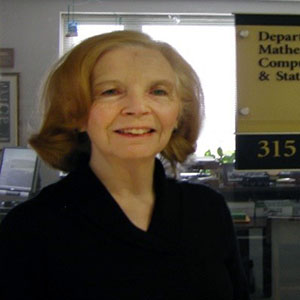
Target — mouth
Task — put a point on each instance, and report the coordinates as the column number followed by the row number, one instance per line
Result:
column 135, row 131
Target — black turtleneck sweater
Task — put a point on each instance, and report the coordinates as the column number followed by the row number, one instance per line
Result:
column 73, row 242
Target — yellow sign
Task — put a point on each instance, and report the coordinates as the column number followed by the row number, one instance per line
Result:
column 268, row 78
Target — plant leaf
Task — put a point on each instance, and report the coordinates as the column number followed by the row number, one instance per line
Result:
column 220, row 152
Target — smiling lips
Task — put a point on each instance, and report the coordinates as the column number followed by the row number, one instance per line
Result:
column 135, row 131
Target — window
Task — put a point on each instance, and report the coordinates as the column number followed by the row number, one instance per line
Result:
column 206, row 42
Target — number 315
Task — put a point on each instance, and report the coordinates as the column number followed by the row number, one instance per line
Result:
column 275, row 149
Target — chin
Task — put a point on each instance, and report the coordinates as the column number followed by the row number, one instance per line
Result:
column 132, row 156
column 139, row 152
column 136, row 155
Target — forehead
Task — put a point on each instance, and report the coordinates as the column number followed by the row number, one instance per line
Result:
column 133, row 59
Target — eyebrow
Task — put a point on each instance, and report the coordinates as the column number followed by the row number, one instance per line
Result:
column 105, row 82
column 165, row 82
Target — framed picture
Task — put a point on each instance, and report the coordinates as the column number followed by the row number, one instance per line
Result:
column 9, row 98
column 6, row 57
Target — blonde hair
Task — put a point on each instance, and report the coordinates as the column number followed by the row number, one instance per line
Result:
column 67, row 100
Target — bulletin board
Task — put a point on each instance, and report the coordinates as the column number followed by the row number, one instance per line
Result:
column 268, row 91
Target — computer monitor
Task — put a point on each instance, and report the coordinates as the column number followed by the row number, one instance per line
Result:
column 18, row 171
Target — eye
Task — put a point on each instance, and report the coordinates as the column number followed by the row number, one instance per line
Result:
column 110, row 92
column 159, row 92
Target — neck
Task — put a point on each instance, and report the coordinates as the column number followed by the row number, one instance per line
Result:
column 130, row 182
column 125, row 177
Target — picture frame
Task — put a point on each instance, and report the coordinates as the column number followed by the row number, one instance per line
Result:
column 9, row 114
column 6, row 57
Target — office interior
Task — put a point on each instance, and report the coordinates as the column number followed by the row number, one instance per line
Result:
column 269, row 242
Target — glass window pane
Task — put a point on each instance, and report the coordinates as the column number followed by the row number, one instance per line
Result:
column 87, row 30
column 211, row 52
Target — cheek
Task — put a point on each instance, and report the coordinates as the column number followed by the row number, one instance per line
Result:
column 93, row 121
column 97, row 118
column 170, row 118
column 95, row 126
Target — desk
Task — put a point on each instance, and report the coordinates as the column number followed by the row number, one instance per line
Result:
column 285, row 257
column 257, row 193
column 7, row 202
column 241, row 193
column 242, row 230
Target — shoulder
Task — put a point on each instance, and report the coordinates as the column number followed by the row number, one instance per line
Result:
column 205, row 214
column 34, row 212
column 53, row 194
column 199, row 189
column 201, row 195
column 203, row 203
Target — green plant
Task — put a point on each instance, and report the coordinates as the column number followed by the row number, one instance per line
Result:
column 221, row 157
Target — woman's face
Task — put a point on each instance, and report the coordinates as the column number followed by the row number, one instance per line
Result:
column 135, row 104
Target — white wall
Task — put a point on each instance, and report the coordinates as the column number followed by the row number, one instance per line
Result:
column 31, row 27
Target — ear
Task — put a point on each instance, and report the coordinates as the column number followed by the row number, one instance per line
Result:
column 177, row 123
column 179, row 116
column 82, row 127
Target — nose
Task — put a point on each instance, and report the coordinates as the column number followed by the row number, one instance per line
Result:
column 136, row 104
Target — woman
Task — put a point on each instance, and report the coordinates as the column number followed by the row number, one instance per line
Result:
column 116, row 227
